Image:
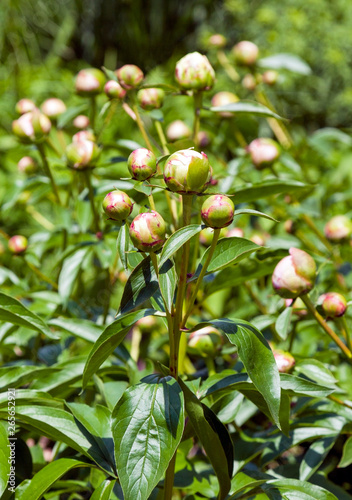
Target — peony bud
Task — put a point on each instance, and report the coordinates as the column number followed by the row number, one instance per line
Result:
column 84, row 135
column 263, row 152
column 235, row 232
column 222, row 99
column 298, row 307
column 89, row 82
column 129, row 76
column 217, row 41
column 82, row 154
column 53, row 107
column 81, row 121
column 117, row 205
column 27, row 165
column 205, row 342
column 187, row 171
column 203, row 139
column 141, row 164
column 246, row 53
column 114, row 90
column 338, row 228
column 332, row 305
column 284, row 361
column 32, row 127
column 25, row 106
column 18, row 244
column 259, row 239
column 217, row 211
column 147, row 231
column 249, row 82
column 150, row 98
column 294, row 275
column 177, row 131
column 270, row 77
column 194, row 72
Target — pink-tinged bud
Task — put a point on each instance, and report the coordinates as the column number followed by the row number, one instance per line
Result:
column 149, row 99
column 17, row 244
column 84, row 135
column 203, row 139
column 249, row 82
column 205, row 342
column 146, row 324
column 218, row 211
column 117, row 205
column 332, row 305
column 246, row 53
column 294, row 275
column 32, row 127
column 206, row 235
column 89, row 82
column 141, row 164
column 298, row 307
column 338, row 228
column 187, row 171
column 25, row 106
column 177, row 131
column 130, row 76
column 53, row 107
column 27, row 165
column 222, row 99
column 147, row 231
column 81, row 121
column 82, row 154
column 217, row 41
column 114, row 90
column 290, row 226
column 235, row 232
column 263, row 152
column 270, row 77
column 284, row 361
column 194, row 72
column 259, row 239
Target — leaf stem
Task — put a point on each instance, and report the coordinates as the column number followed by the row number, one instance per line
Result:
column 197, row 99
column 48, row 171
column 91, row 200
column 142, row 128
column 162, row 137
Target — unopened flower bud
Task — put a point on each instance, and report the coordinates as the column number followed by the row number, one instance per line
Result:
column 150, row 98
column 263, row 152
column 27, row 165
column 270, row 77
column 338, row 228
column 332, row 305
column 18, row 244
column 117, row 205
column 82, row 154
column 203, row 139
column 217, row 41
column 129, row 76
column 32, row 127
column 290, row 226
column 222, row 99
column 141, row 164
column 194, row 72
column 298, row 307
column 177, row 131
column 294, row 275
column 259, row 238
column 218, row 211
column 81, row 121
column 147, row 231
column 284, row 361
column 205, row 342
column 246, row 53
column 187, row 171
column 235, row 232
column 114, row 90
column 249, row 82
column 53, row 107
column 89, row 82
column 25, row 106
column 84, row 135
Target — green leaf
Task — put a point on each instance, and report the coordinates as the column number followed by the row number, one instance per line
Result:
column 140, row 286
column 148, row 423
column 69, row 272
column 252, row 107
column 243, row 481
column 123, row 244
column 104, row 490
column 81, row 328
column 283, row 323
column 15, row 376
column 4, row 459
column 346, row 458
column 28, row 396
column 307, row 491
column 167, row 282
column 257, row 357
column 214, row 438
column 12, row 311
column 248, row 211
column 46, row 477
column 315, row 456
column 297, row 386
column 177, row 240
column 266, row 188
column 164, row 86
column 111, row 337
column 70, row 114
column 111, row 75
column 316, row 370
column 290, row 62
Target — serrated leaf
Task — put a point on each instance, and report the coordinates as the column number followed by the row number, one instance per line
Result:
column 148, row 423
column 251, row 107
column 248, row 211
column 167, row 282
column 69, row 272
column 346, row 458
column 315, row 456
column 283, row 323
column 252, row 192
column 177, row 240
column 123, row 244
column 287, row 61
column 4, row 459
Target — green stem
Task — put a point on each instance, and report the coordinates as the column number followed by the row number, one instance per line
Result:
column 91, row 199
column 228, row 67
column 346, row 331
column 41, row 275
column 326, row 327
column 48, row 171
column 151, row 201
column 108, row 117
column 141, row 127
column 154, row 260
column 276, row 126
column 310, row 223
column 197, row 98
column 107, row 301
column 162, row 137
column 93, row 111
column 169, row 479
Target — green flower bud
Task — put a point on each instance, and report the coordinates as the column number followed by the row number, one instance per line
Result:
column 194, row 72
column 338, row 228
column 222, row 99
column 117, row 205
column 332, row 305
column 27, row 165
column 81, row 155
column 53, row 107
column 177, row 131
column 294, row 275
column 18, row 244
column 147, row 231
column 32, row 127
column 25, row 106
column 114, row 90
column 81, row 121
column 249, row 82
column 89, row 82
column 298, row 307
column 141, row 164
column 129, row 76
column 205, row 342
column 246, row 53
column 217, row 41
column 263, row 152
column 284, row 361
column 187, row 171
column 270, row 77
column 150, row 98
column 217, row 211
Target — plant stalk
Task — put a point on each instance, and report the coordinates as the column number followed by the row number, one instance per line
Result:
column 91, row 200
column 197, row 99
column 48, row 171
column 142, row 128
